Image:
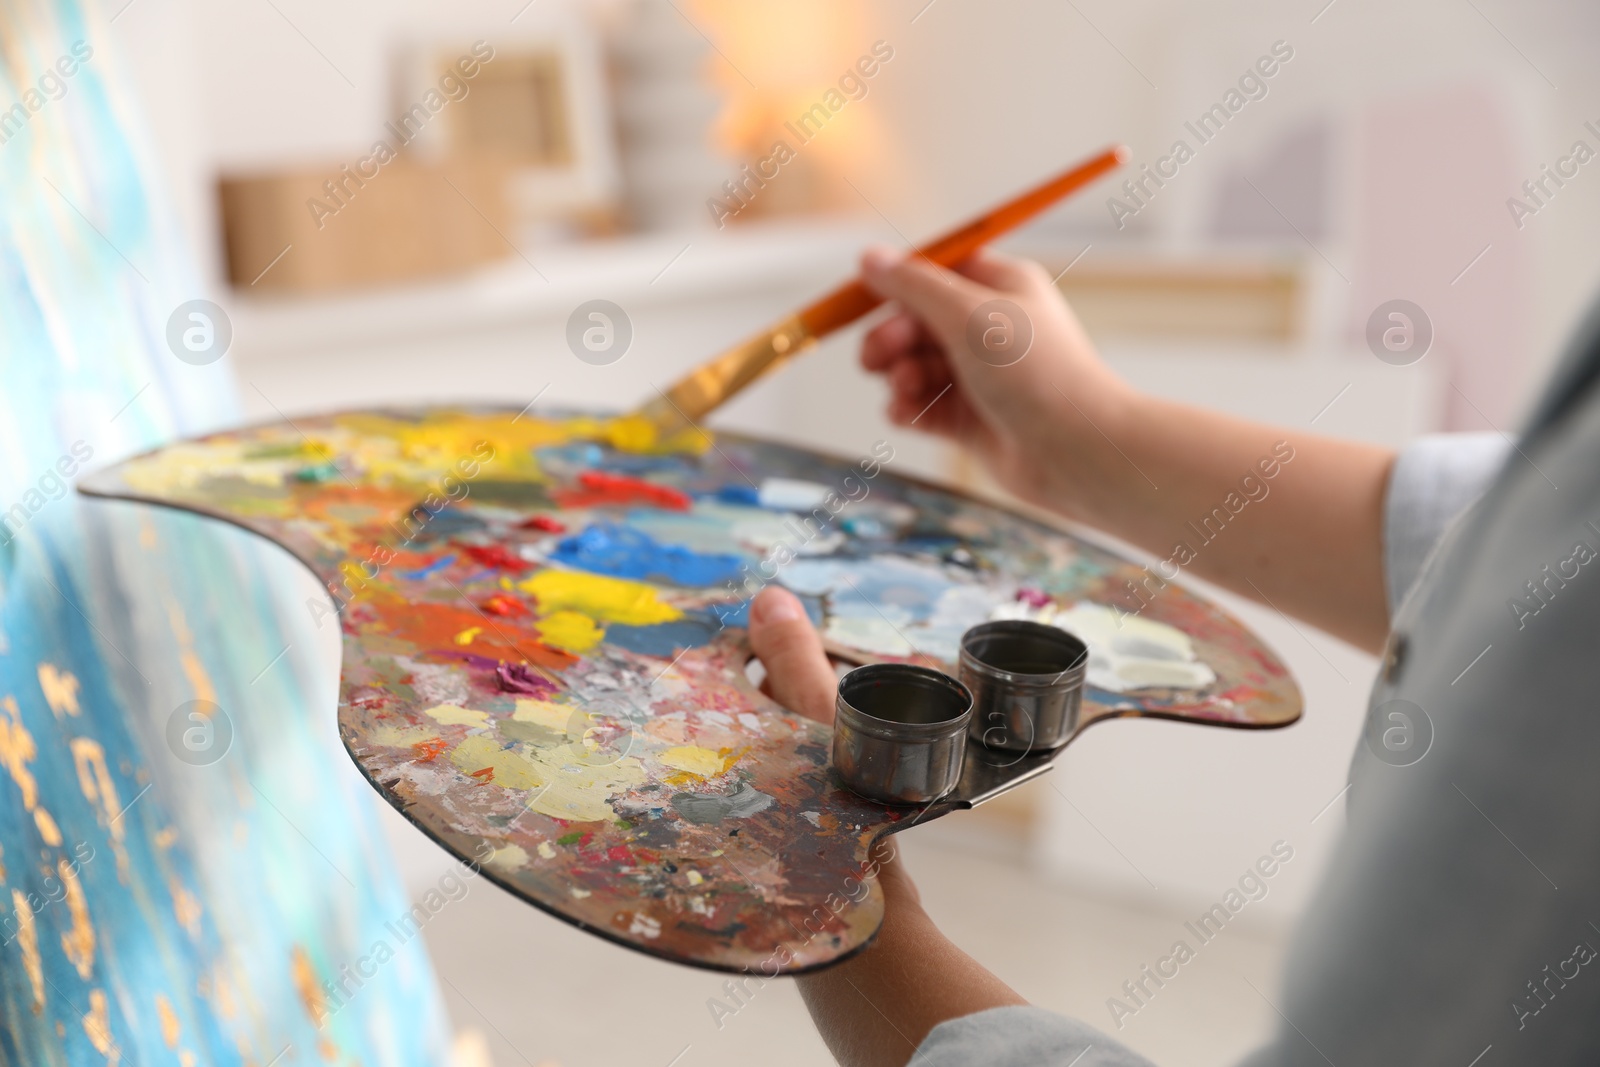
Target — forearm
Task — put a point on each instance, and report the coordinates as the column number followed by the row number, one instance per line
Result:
column 1278, row 515
column 874, row 1010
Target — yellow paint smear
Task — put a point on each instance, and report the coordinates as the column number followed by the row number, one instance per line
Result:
column 402, row 736
column 562, row 781
column 602, row 599
column 444, row 439
column 542, row 713
column 569, row 631
column 456, row 715
column 694, row 759
column 481, row 752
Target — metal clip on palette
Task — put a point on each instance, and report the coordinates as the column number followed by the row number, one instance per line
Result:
column 912, row 735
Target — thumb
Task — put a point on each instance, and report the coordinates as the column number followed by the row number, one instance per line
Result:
column 799, row 675
column 939, row 297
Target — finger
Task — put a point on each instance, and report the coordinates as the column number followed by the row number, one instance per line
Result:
column 931, row 409
column 908, row 379
column 941, row 298
column 1006, row 273
column 889, row 340
column 798, row 671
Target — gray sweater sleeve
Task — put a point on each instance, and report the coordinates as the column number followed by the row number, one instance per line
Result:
column 1021, row 1037
column 1434, row 480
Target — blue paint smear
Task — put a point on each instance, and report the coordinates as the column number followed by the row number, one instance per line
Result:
column 740, row 493
column 582, row 454
column 663, row 638
column 447, row 522
column 738, row 612
column 433, row 568
column 633, row 463
column 623, row 552
column 735, row 614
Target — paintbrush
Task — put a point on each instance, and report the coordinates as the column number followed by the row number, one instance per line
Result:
column 712, row 384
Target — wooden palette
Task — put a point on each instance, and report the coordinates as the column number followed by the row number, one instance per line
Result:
column 544, row 659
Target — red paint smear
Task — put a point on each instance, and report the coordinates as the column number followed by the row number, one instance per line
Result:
column 414, row 561
column 496, row 556
column 428, row 751
column 369, row 699
column 433, row 627
column 619, row 854
column 545, row 523
column 484, row 775
column 508, row 606
column 599, row 488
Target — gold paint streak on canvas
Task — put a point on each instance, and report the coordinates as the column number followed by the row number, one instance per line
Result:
column 193, row 669
column 185, row 908
column 305, row 983
column 48, row 830
column 170, row 1030
column 28, row 942
column 97, row 1024
column 77, row 942
column 60, row 690
column 99, row 788
column 227, row 1004
column 17, row 750
column 95, row 779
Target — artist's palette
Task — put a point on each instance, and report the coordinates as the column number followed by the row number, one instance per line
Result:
column 545, row 660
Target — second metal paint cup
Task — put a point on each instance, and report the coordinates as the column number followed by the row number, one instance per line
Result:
column 900, row 734
column 1026, row 680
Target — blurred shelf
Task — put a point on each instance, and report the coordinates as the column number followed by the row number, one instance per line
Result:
column 634, row 271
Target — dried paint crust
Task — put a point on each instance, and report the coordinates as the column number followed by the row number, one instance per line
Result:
column 544, row 653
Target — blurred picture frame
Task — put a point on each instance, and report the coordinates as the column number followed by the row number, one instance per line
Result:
column 536, row 104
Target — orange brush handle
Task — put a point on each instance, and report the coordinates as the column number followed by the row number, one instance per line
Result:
column 852, row 300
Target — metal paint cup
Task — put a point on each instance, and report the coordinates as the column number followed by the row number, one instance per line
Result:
column 1026, row 681
column 900, row 734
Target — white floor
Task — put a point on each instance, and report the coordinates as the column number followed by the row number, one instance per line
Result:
column 547, row 995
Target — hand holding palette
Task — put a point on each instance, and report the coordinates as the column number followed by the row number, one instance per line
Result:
column 545, row 659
